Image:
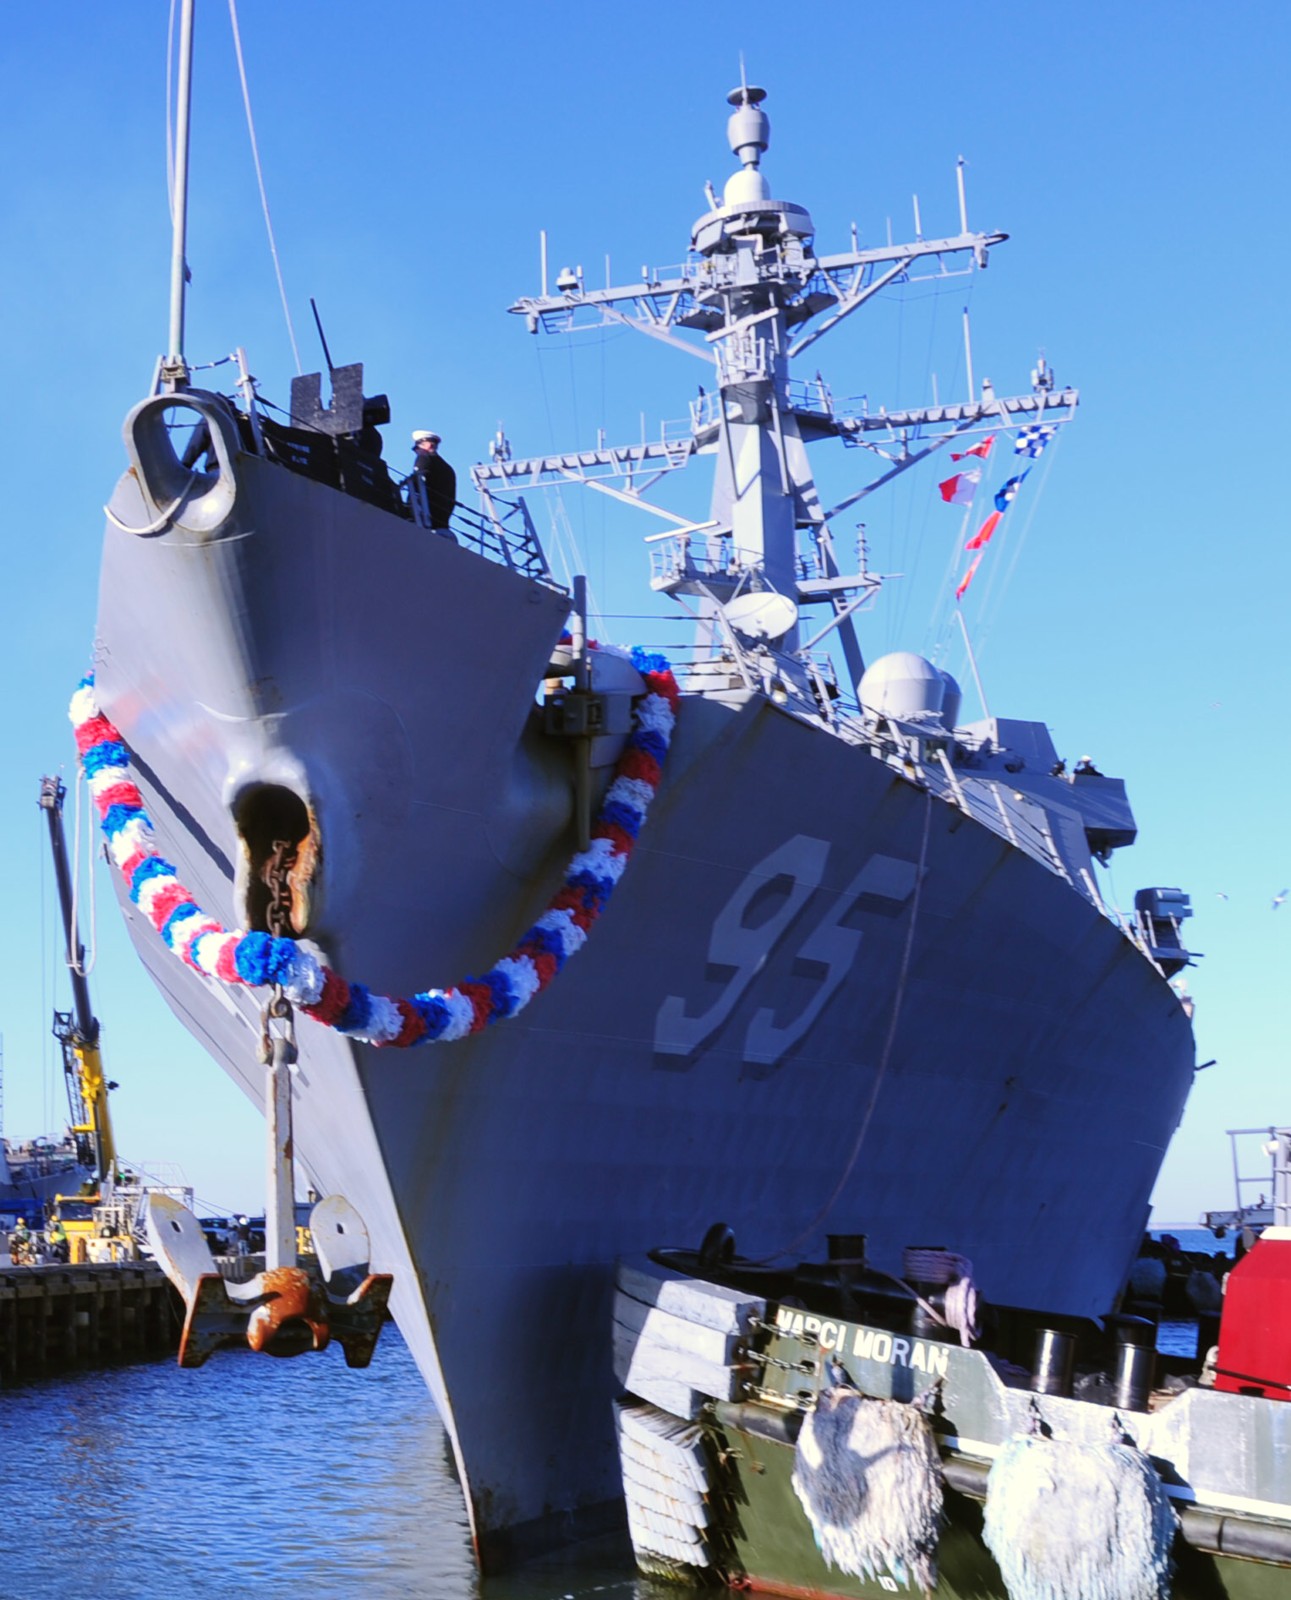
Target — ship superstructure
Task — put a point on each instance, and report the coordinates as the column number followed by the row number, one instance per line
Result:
column 858, row 946
column 755, row 288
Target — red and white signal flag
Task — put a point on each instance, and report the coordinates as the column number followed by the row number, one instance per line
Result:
column 981, row 449
column 959, row 490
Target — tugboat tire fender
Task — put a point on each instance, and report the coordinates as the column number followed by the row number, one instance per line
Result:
column 718, row 1248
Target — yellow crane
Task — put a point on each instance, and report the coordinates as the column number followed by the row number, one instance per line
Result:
column 77, row 1032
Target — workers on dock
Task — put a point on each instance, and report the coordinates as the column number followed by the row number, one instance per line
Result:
column 56, row 1239
column 21, row 1253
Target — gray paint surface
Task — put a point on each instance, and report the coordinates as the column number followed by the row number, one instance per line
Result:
column 1038, row 1067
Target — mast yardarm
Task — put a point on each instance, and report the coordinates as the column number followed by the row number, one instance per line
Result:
column 752, row 296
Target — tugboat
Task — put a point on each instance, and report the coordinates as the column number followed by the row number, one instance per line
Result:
column 834, row 1431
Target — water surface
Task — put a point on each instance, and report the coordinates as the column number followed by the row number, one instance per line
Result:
column 149, row 1482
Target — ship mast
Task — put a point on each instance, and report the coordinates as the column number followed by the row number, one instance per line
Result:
column 750, row 287
column 174, row 369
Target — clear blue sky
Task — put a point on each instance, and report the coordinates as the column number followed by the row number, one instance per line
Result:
column 1136, row 155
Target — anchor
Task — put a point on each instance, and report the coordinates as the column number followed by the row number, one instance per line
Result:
column 288, row 1308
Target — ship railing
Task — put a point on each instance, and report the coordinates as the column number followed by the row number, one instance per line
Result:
column 744, row 357
column 1013, row 816
column 705, row 411
column 811, row 394
column 705, row 669
column 678, row 432
column 691, row 553
column 1132, row 924
column 1145, row 931
column 821, row 672
column 807, row 567
column 503, row 532
column 1273, row 1184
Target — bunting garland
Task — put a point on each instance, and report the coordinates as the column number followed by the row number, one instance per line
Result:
column 1009, row 493
column 257, row 959
column 1032, row 441
column 968, row 576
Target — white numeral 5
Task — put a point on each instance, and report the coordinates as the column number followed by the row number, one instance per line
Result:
column 832, row 947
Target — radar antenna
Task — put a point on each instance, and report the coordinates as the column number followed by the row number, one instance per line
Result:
column 753, row 295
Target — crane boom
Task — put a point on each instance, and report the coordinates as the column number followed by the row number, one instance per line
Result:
column 77, row 1031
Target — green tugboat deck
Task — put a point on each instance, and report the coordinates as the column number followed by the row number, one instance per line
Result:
column 724, row 1384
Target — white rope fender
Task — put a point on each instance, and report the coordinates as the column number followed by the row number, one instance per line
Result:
column 868, row 1475
column 1072, row 1521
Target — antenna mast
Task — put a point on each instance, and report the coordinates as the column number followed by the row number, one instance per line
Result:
column 322, row 337
column 174, row 370
column 757, row 293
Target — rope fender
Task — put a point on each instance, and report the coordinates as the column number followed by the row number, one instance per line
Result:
column 868, row 1475
column 1073, row 1520
column 433, row 1015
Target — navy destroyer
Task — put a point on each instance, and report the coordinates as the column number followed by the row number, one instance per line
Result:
column 857, row 974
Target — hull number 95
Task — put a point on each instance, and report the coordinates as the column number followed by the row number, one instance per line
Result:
column 827, row 953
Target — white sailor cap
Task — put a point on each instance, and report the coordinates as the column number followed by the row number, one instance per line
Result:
column 421, row 434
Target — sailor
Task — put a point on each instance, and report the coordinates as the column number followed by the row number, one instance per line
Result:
column 438, row 479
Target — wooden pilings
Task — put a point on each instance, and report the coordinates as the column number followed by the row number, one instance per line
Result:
column 57, row 1318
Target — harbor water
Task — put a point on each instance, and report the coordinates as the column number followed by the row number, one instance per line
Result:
column 301, row 1476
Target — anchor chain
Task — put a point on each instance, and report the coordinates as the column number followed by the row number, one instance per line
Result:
column 291, row 1306
column 276, row 877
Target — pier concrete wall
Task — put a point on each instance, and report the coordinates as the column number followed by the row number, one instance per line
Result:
column 57, row 1318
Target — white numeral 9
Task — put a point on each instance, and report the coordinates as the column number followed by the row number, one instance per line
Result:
column 745, row 950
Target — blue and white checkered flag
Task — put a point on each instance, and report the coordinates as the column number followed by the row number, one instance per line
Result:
column 1031, row 441
column 1008, row 494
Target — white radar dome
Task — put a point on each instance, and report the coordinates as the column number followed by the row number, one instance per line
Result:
column 903, row 685
column 746, row 187
column 761, row 615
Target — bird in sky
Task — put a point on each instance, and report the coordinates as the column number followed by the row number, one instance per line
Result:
column 1220, row 895
column 1279, row 898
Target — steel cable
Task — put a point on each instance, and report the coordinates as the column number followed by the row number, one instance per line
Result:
column 264, row 198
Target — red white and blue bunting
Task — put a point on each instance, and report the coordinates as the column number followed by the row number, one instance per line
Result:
column 255, row 959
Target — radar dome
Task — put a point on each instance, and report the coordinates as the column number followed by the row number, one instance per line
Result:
column 903, row 685
column 746, row 187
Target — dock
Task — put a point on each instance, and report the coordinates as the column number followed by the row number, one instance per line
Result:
column 60, row 1318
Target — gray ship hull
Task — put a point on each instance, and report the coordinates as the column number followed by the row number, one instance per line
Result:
column 38, row 1189
column 711, row 1055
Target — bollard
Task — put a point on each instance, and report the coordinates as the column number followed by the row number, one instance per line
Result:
column 1055, row 1355
column 1135, row 1365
